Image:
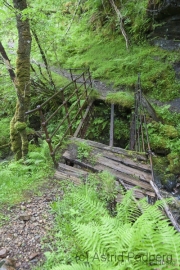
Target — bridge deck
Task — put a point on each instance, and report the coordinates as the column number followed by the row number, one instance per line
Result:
column 131, row 169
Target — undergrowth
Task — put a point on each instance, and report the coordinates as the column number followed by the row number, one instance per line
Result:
column 18, row 176
column 108, row 59
column 88, row 236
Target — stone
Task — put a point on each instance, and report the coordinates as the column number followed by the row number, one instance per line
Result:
column 24, row 217
column 8, row 264
column 3, row 253
column 33, row 255
column 167, row 14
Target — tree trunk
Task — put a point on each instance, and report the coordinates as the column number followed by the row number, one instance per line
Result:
column 19, row 141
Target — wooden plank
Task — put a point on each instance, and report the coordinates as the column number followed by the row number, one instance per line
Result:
column 128, row 153
column 126, row 161
column 109, row 164
column 71, row 170
column 142, row 191
column 83, row 119
column 128, row 166
column 67, row 155
column 166, row 208
column 124, row 169
column 117, row 172
column 129, row 179
column 63, row 176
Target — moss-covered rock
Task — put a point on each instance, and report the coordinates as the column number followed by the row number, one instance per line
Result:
column 20, row 126
column 124, row 99
column 169, row 131
column 174, row 160
column 169, row 182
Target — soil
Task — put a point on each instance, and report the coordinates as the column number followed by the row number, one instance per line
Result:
column 29, row 226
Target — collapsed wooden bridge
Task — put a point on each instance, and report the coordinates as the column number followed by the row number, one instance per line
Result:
column 132, row 169
column 129, row 168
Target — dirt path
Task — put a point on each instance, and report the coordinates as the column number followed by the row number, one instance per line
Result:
column 29, row 223
column 104, row 89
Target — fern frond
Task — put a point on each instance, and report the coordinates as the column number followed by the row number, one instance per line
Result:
column 88, row 203
column 127, row 210
column 88, row 236
column 72, row 267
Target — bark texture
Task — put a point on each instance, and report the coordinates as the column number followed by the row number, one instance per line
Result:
column 19, row 141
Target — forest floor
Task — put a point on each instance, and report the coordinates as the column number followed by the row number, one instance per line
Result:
column 30, row 223
column 29, row 226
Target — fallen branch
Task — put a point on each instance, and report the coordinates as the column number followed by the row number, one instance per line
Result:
column 120, row 18
column 166, row 208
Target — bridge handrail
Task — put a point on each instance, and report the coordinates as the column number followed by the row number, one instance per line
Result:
column 80, row 81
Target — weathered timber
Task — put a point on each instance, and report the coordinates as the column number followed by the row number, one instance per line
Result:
column 124, row 166
column 128, row 153
column 124, row 169
column 131, row 162
column 107, row 163
column 71, row 170
column 63, row 176
column 134, row 163
column 67, row 156
column 166, row 208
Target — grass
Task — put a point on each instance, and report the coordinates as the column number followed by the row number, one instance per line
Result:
column 123, row 99
column 16, row 177
column 109, row 60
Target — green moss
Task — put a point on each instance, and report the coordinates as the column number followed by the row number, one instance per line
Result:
column 174, row 160
column 169, row 131
column 124, row 99
column 20, row 126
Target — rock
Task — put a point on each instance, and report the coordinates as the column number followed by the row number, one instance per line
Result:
column 24, row 217
column 167, row 14
column 8, row 264
column 170, row 182
column 3, row 253
column 33, row 255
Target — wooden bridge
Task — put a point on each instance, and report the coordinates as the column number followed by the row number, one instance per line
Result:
column 131, row 168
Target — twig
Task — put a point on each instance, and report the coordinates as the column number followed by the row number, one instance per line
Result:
column 69, row 27
column 120, row 17
column 166, row 208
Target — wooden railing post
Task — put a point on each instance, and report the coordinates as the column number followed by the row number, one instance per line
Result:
column 67, row 113
column 48, row 139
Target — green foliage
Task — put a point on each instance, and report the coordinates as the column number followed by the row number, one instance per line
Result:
column 136, row 19
column 16, row 177
column 108, row 59
column 162, row 136
column 4, row 137
column 104, row 183
column 167, row 116
column 174, row 161
column 83, row 150
column 98, row 128
column 124, row 99
column 88, row 237
column 121, row 129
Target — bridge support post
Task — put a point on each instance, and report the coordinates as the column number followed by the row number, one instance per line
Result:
column 111, row 142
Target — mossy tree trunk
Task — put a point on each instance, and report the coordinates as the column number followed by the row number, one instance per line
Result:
column 19, row 141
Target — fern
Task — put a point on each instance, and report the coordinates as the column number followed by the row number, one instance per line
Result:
column 136, row 238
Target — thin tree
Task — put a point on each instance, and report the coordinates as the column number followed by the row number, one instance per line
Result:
column 19, row 141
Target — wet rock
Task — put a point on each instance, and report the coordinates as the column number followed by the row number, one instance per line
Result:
column 167, row 14
column 170, row 182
